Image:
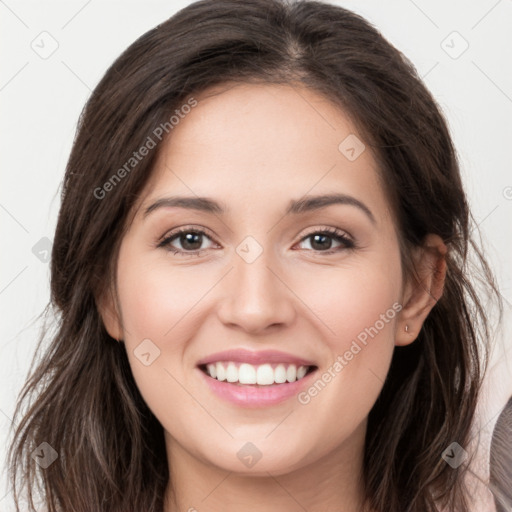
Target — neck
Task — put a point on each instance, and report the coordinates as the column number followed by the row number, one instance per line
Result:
column 330, row 482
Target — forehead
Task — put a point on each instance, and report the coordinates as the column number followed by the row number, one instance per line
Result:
column 252, row 144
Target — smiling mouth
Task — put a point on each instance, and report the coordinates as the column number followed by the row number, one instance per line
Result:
column 267, row 375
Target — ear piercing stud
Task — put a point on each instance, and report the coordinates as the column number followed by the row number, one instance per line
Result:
column 406, row 328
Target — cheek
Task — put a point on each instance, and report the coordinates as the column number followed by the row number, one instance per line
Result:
column 366, row 312
column 157, row 305
column 357, row 309
column 157, row 301
column 357, row 301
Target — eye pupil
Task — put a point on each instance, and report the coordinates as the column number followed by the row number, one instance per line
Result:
column 189, row 239
column 323, row 238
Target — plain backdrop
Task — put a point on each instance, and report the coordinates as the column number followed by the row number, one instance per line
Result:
column 54, row 53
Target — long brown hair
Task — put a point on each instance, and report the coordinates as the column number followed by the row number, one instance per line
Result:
column 110, row 447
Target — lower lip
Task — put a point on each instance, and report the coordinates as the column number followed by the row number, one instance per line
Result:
column 256, row 396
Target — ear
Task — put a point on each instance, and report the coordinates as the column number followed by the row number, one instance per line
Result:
column 422, row 292
column 109, row 312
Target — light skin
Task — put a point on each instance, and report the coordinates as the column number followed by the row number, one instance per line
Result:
column 255, row 148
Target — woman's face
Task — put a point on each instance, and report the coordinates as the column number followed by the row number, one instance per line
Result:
column 266, row 279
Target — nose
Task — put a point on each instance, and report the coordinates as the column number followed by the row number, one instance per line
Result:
column 257, row 298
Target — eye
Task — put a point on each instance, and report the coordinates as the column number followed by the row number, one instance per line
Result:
column 191, row 240
column 320, row 240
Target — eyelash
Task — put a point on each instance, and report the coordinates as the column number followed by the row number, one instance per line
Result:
column 334, row 233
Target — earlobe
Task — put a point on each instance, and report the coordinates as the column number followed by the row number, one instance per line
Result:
column 107, row 308
column 423, row 290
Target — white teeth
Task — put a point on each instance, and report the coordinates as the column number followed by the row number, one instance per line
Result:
column 212, row 370
column 247, row 374
column 280, row 374
column 221, row 373
column 301, row 371
column 263, row 375
column 291, row 373
column 231, row 373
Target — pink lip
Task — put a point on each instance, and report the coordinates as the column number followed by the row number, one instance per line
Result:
column 250, row 395
column 255, row 358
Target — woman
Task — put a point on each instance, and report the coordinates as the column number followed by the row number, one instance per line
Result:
column 256, row 368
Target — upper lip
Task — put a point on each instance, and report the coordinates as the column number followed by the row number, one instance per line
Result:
column 255, row 357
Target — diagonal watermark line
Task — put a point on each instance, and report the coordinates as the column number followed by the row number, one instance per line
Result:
column 76, row 75
column 286, row 490
column 505, row 299
column 2, row 1
column 219, row 218
column 14, row 76
column 279, row 424
column 8, row 417
column 424, row 13
column 484, row 16
column 501, row 360
column 217, row 486
column 198, row 301
column 76, row 14
column 422, row 284
column 5, row 495
column 13, row 217
column 199, row 403
column 312, row 187
column 13, row 279
column 298, row 93
column 484, row 426
column 492, row 81
column 434, row 66
column 301, row 300
column 371, row 371
column 480, row 223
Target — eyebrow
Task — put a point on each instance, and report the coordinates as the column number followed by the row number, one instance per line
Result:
column 295, row 207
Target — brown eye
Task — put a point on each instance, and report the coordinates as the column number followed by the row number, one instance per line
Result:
column 321, row 241
column 190, row 241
